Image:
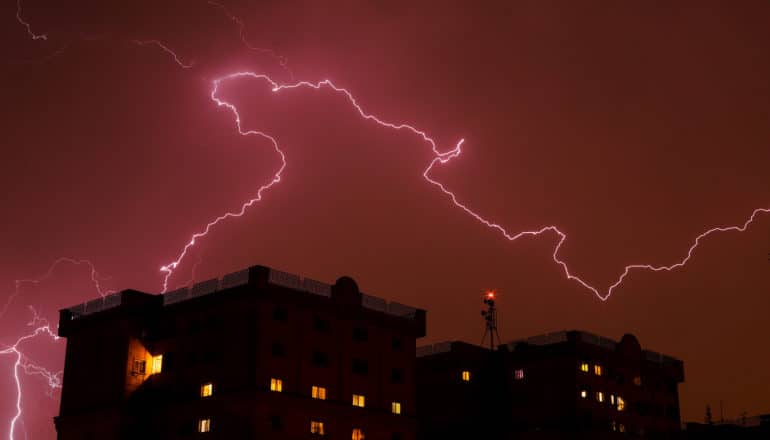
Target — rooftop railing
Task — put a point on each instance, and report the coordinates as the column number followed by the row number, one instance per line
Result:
column 96, row 305
column 544, row 339
column 440, row 347
column 240, row 278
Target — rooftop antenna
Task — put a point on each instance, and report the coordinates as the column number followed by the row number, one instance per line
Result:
column 490, row 320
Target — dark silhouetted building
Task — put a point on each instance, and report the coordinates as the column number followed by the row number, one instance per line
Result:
column 256, row 354
column 569, row 384
column 747, row 427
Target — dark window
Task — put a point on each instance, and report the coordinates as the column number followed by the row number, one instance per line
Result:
column 320, row 359
column 215, row 322
column 194, row 327
column 397, row 344
column 320, row 324
column 281, row 314
column 360, row 334
column 208, row 356
column 397, row 436
column 397, row 375
column 360, row 366
column 168, row 362
column 276, row 422
column 279, row 350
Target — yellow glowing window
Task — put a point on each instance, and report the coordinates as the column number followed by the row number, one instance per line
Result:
column 466, row 375
column 637, row 381
column 318, row 393
column 204, row 425
column 612, row 399
column 614, row 425
column 358, row 434
column 600, row 396
column 395, row 407
column 583, row 394
column 207, row 389
column 157, row 364
column 139, row 367
column 598, row 370
column 276, row 385
column 621, row 404
column 622, row 428
column 316, row 427
column 584, row 367
column 359, row 400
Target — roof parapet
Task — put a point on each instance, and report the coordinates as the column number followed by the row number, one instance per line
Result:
column 240, row 278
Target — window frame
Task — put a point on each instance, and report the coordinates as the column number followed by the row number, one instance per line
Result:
column 318, row 392
column 317, row 427
column 204, row 425
column 207, row 389
column 359, row 400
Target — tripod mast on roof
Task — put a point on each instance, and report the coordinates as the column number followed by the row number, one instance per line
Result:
column 490, row 320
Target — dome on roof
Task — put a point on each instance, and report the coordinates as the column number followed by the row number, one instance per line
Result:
column 346, row 283
column 630, row 346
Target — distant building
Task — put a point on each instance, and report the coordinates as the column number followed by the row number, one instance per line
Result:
column 557, row 385
column 747, row 427
column 257, row 354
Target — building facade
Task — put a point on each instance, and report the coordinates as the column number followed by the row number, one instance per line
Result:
column 569, row 384
column 257, row 354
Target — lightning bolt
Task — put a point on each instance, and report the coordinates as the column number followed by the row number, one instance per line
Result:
column 41, row 328
column 282, row 61
column 166, row 49
column 440, row 157
column 26, row 24
column 25, row 365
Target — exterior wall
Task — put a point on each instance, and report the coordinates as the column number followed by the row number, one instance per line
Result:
column 454, row 408
column 544, row 400
column 237, row 339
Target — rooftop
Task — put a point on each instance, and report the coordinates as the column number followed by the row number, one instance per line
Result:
column 554, row 338
column 240, row 278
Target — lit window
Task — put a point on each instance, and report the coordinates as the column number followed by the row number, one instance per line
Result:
column 138, row 368
column 612, row 399
column 276, row 385
column 637, row 381
column 622, row 428
column 207, row 389
column 395, row 407
column 583, row 394
column 204, row 425
column 359, row 400
column 600, row 396
column 316, row 427
column 518, row 374
column 614, row 425
column 358, row 434
column 157, row 364
column 584, row 367
column 621, row 404
column 598, row 370
column 466, row 375
column 318, row 393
